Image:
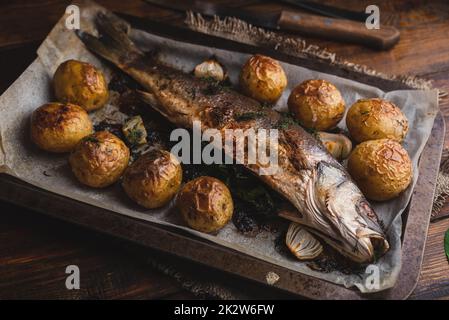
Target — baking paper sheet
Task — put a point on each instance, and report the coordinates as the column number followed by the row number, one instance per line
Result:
column 20, row 158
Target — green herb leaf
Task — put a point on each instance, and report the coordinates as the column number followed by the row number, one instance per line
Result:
column 286, row 121
column 266, row 105
column 134, row 137
column 258, row 197
column 91, row 138
column 250, row 115
column 446, row 244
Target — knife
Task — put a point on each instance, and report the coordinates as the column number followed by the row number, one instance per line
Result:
column 329, row 11
column 304, row 23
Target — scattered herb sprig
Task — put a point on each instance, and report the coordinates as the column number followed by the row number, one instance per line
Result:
column 91, row 138
column 250, row 115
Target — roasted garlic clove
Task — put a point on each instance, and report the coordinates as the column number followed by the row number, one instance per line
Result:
column 134, row 131
column 302, row 243
column 338, row 145
column 210, row 69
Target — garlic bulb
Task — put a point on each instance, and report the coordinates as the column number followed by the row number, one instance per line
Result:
column 210, row 69
column 338, row 145
column 302, row 243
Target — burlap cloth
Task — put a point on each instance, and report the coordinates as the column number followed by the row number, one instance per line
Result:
column 203, row 285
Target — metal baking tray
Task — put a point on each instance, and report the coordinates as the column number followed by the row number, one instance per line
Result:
column 177, row 243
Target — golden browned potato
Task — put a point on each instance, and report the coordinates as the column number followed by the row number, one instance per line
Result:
column 263, row 79
column 370, row 119
column 99, row 160
column 317, row 104
column 381, row 168
column 206, row 204
column 80, row 83
column 58, row 127
column 153, row 179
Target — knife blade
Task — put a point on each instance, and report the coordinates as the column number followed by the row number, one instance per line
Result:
column 303, row 23
column 327, row 10
column 263, row 19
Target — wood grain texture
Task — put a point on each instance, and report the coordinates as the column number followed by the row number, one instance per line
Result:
column 34, row 250
column 342, row 30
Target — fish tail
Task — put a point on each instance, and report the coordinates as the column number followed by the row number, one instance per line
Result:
column 114, row 43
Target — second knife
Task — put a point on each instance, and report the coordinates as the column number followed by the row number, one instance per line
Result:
column 303, row 23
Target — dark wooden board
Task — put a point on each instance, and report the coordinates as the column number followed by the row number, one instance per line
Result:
column 200, row 251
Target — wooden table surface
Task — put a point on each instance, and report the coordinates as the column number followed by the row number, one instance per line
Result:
column 35, row 250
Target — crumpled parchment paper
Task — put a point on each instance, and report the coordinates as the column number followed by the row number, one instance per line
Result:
column 20, row 158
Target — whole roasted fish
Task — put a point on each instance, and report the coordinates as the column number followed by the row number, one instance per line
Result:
column 328, row 203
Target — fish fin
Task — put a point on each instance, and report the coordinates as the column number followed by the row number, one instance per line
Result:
column 116, row 29
column 291, row 214
column 146, row 97
column 113, row 44
column 150, row 99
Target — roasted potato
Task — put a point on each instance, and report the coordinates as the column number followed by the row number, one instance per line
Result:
column 99, row 160
column 381, row 168
column 316, row 104
column 263, row 79
column 205, row 204
column 80, row 83
column 370, row 119
column 154, row 179
column 58, row 127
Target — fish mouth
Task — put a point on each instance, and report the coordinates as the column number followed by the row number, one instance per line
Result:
column 363, row 250
column 369, row 249
column 380, row 245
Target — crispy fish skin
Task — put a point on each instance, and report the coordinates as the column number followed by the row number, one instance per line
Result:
column 328, row 203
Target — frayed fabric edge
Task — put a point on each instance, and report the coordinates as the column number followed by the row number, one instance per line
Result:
column 243, row 32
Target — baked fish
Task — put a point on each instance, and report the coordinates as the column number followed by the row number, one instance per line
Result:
column 326, row 200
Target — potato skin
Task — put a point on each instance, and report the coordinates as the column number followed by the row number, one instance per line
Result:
column 263, row 78
column 316, row 104
column 153, row 179
column 99, row 160
column 370, row 119
column 58, row 127
column 205, row 204
column 381, row 168
column 80, row 83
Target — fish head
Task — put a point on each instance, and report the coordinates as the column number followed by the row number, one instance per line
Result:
column 350, row 223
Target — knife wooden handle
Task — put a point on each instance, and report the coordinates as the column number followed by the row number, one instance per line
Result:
column 339, row 29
